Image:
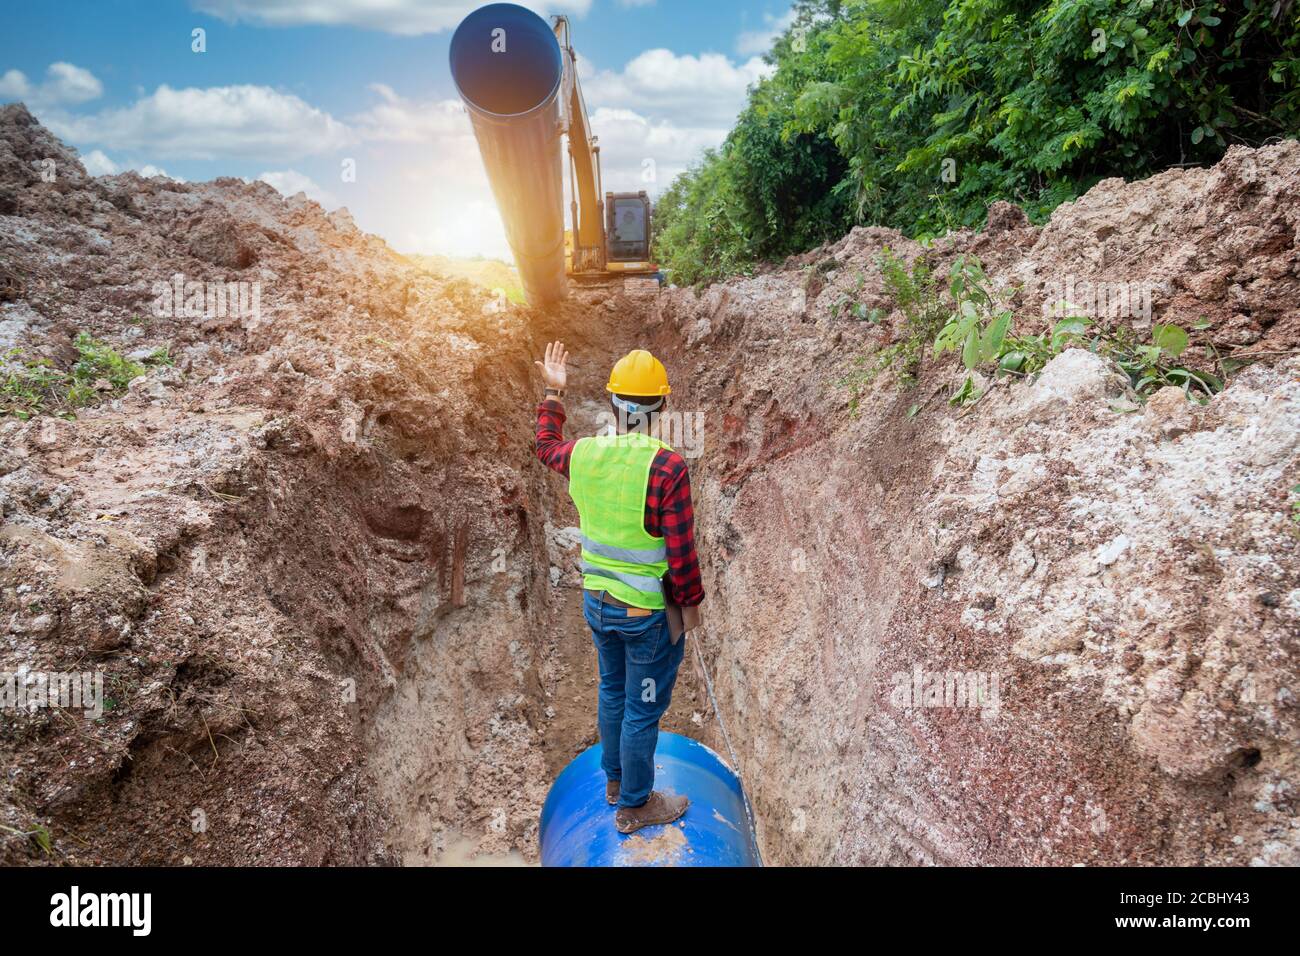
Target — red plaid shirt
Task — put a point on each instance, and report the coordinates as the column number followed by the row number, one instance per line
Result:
column 668, row 511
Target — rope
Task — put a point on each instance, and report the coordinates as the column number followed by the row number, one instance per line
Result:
column 726, row 739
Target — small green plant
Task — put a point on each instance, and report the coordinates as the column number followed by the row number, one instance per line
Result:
column 1149, row 366
column 39, row 836
column 968, row 392
column 1027, row 354
column 26, row 387
column 848, row 304
column 96, row 361
column 29, row 388
column 160, row 356
column 982, row 333
column 1295, row 503
column 1152, row 366
column 973, row 328
column 916, row 293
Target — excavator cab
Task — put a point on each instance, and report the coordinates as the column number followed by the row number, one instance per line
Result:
column 627, row 232
column 628, row 227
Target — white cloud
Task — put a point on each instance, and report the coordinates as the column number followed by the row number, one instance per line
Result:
column 661, row 111
column 424, row 185
column 289, row 182
column 14, row 85
column 400, row 120
column 640, row 153
column 751, row 42
column 408, row 17
column 71, row 84
column 237, row 122
column 97, row 164
column 64, row 83
column 691, row 90
column 149, row 170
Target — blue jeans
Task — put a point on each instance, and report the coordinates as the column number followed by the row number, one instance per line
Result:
column 638, row 667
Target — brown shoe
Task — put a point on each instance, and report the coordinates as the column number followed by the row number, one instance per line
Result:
column 660, row 808
column 611, row 792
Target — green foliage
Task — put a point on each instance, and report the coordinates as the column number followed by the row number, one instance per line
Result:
column 984, row 336
column 1031, row 101
column 769, row 191
column 916, row 293
column 699, row 234
column 1295, row 504
column 848, row 304
column 25, row 388
column 96, row 361
column 982, row 333
column 29, row 388
column 1152, row 366
column 39, row 836
column 971, row 329
column 1027, row 354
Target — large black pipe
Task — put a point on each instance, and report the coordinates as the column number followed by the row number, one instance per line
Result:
column 507, row 67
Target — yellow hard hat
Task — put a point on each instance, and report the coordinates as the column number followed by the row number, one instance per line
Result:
column 638, row 373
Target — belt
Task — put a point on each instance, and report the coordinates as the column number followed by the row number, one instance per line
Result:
column 610, row 599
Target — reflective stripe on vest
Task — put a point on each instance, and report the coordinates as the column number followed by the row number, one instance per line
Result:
column 608, row 479
column 630, row 555
column 641, row 583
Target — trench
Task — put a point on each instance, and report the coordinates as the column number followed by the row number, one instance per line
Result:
column 430, row 563
column 348, row 497
column 462, row 760
column 831, row 565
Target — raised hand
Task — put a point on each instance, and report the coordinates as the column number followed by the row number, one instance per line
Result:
column 553, row 371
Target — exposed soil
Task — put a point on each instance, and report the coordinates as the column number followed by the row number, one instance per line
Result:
column 333, row 592
column 1132, row 580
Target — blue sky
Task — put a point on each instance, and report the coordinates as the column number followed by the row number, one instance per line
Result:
column 288, row 90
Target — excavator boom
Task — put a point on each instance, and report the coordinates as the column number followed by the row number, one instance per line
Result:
column 610, row 237
column 586, row 209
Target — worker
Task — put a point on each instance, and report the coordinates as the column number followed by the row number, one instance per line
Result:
column 633, row 496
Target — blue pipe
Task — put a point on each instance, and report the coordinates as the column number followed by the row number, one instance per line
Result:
column 577, row 826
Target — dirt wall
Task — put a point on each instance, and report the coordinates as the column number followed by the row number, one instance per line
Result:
column 1126, row 582
column 307, row 554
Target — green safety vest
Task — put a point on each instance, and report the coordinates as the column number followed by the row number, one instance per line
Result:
column 608, row 476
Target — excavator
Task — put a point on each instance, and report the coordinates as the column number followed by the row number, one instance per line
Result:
column 518, row 78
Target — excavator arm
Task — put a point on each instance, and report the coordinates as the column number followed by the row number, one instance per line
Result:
column 610, row 231
column 586, row 207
